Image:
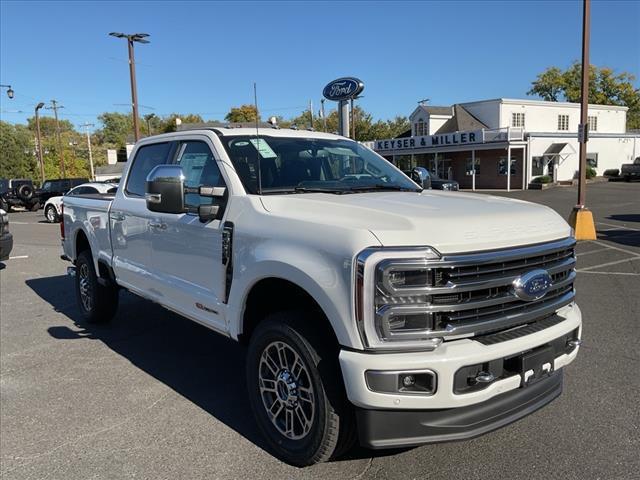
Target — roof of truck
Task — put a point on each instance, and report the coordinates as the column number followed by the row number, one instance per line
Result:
column 251, row 131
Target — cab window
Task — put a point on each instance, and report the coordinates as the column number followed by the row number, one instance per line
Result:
column 147, row 158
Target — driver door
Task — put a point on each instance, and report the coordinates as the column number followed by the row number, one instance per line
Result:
column 187, row 253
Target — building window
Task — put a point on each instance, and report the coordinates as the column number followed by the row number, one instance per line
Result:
column 592, row 160
column 502, row 166
column 517, row 119
column 563, row 122
column 420, row 128
column 469, row 167
column 593, row 123
column 537, row 166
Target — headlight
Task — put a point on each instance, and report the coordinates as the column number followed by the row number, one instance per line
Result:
column 392, row 300
column 446, row 186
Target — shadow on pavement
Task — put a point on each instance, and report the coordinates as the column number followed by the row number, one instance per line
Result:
column 625, row 217
column 623, row 237
column 202, row 366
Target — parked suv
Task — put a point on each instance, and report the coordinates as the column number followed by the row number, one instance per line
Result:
column 58, row 187
column 53, row 206
column 18, row 192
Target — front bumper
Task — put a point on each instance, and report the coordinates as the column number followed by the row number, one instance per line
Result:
column 391, row 420
column 6, row 244
column 406, row 428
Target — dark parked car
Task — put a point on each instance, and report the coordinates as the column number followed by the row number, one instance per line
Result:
column 438, row 183
column 18, row 192
column 6, row 239
column 630, row 171
column 57, row 187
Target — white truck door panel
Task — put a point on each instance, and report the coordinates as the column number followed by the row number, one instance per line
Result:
column 187, row 253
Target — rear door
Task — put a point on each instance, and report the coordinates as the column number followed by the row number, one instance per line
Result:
column 187, row 253
column 131, row 233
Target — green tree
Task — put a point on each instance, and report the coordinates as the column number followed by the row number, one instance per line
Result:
column 116, row 127
column 168, row 123
column 605, row 88
column 242, row 114
column 17, row 151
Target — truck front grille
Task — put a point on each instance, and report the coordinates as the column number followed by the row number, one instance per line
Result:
column 472, row 294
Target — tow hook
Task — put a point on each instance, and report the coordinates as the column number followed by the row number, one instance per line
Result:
column 71, row 271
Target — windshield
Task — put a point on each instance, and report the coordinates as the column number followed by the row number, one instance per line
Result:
column 299, row 165
column 46, row 186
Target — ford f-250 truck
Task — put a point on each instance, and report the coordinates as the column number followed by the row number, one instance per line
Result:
column 372, row 309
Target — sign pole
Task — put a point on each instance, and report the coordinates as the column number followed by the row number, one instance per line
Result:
column 343, row 106
column 581, row 218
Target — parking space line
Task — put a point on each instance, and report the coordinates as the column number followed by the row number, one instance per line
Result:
column 630, row 252
column 18, row 257
column 613, row 273
column 608, row 264
column 11, row 222
column 618, row 226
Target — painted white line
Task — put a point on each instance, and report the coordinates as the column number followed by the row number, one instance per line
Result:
column 608, row 263
column 630, row 252
column 618, row 226
column 597, row 250
column 615, row 273
column 11, row 222
column 18, row 257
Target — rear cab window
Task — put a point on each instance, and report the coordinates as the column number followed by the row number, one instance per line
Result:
column 147, row 158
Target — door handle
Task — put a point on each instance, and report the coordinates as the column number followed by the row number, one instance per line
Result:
column 117, row 216
column 158, row 225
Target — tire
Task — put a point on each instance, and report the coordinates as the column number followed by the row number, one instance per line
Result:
column 4, row 205
column 310, row 365
column 627, row 178
column 35, row 207
column 98, row 303
column 25, row 192
column 51, row 214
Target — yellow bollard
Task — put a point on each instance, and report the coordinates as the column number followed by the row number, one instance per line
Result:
column 581, row 219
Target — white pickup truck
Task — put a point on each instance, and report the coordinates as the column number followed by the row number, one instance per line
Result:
column 373, row 309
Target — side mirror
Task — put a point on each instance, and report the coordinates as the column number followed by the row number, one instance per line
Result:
column 422, row 177
column 165, row 189
column 210, row 212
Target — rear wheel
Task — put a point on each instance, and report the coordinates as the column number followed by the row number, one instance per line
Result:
column 51, row 214
column 296, row 390
column 98, row 303
column 35, row 207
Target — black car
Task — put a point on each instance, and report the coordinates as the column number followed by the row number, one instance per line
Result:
column 6, row 239
column 57, row 187
column 438, row 183
column 18, row 192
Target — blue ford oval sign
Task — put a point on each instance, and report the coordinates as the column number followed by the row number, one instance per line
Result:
column 532, row 285
column 343, row 89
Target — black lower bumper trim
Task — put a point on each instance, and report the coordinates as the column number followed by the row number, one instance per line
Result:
column 405, row 428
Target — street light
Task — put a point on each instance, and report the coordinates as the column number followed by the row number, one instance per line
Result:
column 38, row 107
column 9, row 90
column 131, row 38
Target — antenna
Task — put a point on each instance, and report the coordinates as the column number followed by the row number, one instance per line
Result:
column 259, row 173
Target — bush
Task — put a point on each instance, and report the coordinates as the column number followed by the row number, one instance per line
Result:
column 591, row 172
column 542, row 179
column 612, row 172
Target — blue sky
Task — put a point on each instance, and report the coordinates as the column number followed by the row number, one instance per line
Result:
column 205, row 56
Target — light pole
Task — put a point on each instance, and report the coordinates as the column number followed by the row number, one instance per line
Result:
column 131, row 38
column 10, row 91
column 581, row 218
column 87, row 125
column 38, row 107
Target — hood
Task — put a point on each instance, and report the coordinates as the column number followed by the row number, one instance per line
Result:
column 450, row 222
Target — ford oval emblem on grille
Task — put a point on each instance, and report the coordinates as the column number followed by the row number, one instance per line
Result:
column 532, row 285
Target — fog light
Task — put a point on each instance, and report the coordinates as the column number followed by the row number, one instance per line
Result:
column 416, row 382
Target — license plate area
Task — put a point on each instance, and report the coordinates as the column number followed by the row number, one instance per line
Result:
column 536, row 364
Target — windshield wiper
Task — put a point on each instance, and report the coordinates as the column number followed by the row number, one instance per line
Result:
column 380, row 186
column 318, row 190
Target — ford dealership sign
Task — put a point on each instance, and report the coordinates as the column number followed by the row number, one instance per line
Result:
column 343, row 89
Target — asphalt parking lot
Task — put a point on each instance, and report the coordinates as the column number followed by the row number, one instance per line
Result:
column 155, row 396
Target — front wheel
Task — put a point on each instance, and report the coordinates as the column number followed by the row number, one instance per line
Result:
column 295, row 390
column 98, row 303
column 51, row 214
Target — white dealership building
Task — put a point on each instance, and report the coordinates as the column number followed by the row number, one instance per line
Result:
column 470, row 142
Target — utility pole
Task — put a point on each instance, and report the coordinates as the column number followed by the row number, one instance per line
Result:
column 324, row 117
column 311, row 113
column 86, row 126
column 131, row 38
column 581, row 218
column 38, row 107
column 54, row 106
